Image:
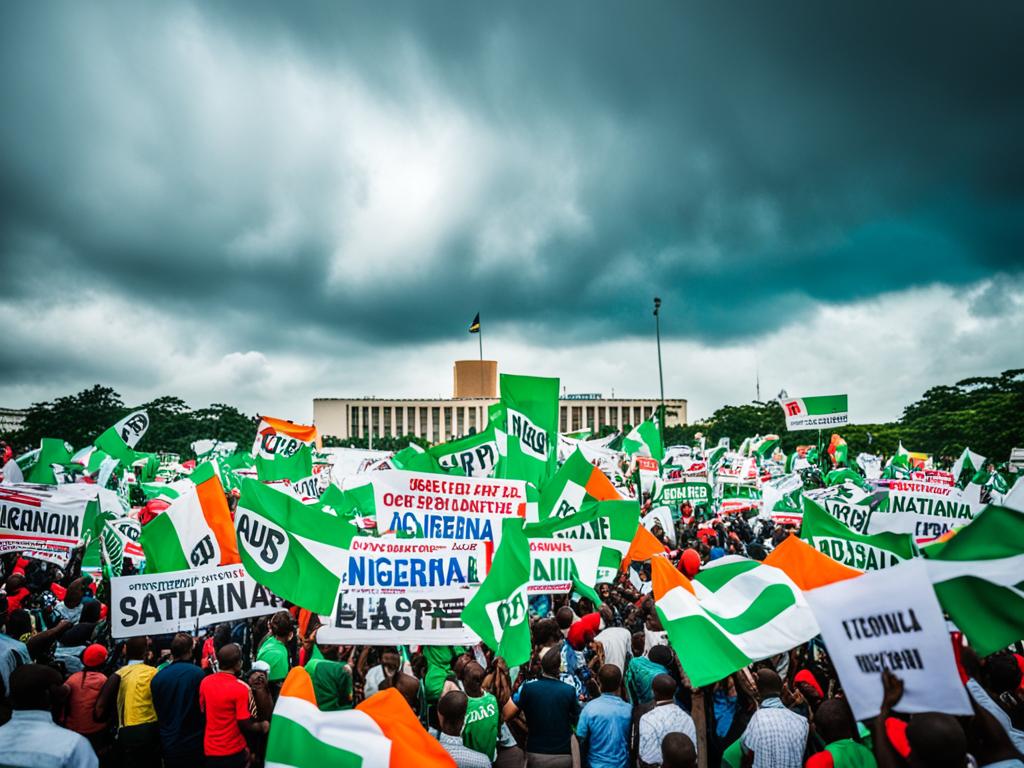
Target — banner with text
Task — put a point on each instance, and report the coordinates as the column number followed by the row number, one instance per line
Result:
column 434, row 618
column 890, row 619
column 48, row 520
column 824, row 412
column 396, row 566
column 186, row 600
column 924, row 510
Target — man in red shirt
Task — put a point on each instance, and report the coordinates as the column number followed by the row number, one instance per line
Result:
column 227, row 704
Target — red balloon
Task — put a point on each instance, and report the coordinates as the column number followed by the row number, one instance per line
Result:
column 690, row 562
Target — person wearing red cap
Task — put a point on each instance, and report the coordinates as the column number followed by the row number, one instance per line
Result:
column 83, row 690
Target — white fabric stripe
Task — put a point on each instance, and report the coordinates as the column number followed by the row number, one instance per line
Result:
column 1005, row 571
column 733, row 597
column 350, row 730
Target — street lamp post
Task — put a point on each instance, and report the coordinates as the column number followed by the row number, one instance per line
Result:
column 661, row 378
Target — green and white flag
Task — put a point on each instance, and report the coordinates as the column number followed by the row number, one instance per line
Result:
column 576, row 481
column 499, row 612
column 823, row 412
column 476, row 455
column 298, row 551
column 739, row 611
column 52, row 450
column 613, row 523
column 645, row 440
column 857, row 550
column 978, row 576
column 526, row 428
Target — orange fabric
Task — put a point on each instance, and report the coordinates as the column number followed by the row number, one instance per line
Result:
column 665, row 577
column 299, row 685
column 306, row 434
column 806, row 566
column 218, row 517
column 645, row 546
column 600, row 487
column 411, row 745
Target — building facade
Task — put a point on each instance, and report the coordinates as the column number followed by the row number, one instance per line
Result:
column 443, row 420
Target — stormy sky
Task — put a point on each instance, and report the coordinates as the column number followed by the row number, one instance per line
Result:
column 260, row 203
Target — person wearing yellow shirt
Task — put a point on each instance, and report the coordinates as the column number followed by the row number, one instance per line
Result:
column 127, row 693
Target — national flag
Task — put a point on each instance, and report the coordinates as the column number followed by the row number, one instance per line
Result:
column 967, row 466
column 977, row 575
column 278, row 449
column 381, row 732
column 498, row 612
column 415, row 459
column 474, row 327
column 526, row 428
column 822, row 412
column 292, row 467
column 857, row 550
column 576, row 481
column 837, row 450
column 645, row 439
column 476, row 455
column 52, row 450
column 734, row 612
column 806, row 566
column 195, row 529
column 612, row 522
column 297, row 550
column 112, row 539
column 764, row 447
column 644, row 546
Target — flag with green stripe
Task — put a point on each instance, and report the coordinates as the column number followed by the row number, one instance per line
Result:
column 857, row 550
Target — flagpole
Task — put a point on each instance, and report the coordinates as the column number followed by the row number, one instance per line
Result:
column 661, row 380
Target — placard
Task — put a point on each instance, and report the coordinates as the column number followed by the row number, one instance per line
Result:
column 186, row 600
column 433, row 618
column 397, row 566
column 890, row 619
column 45, row 519
column 924, row 510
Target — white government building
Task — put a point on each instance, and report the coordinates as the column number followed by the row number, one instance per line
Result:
column 475, row 388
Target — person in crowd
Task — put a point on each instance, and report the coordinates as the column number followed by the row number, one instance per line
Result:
column 83, row 691
column 31, row 739
column 678, row 751
column 775, row 737
column 230, row 711
column 127, row 696
column 605, row 722
column 377, row 674
column 274, row 648
column 175, row 690
column 615, row 645
column 643, row 669
column 551, row 710
column 834, row 723
column 451, row 714
column 663, row 716
column 332, row 678
column 483, row 720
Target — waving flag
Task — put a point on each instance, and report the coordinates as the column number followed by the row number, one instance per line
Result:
column 381, row 732
column 577, row 480
column 822, row 412
column 857, row 550
column 526, row 428
column 645, row 440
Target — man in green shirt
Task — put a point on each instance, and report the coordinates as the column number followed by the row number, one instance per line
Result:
column 439, row 660
column 834, row 722
column 274, row 650
column 332, row 678
column 483, row 720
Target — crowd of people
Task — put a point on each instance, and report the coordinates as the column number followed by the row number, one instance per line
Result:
column 603, row 688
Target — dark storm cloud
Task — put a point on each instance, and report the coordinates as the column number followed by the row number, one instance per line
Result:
column 740, row 160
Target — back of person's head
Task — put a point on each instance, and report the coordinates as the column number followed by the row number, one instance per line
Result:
column 769, row 684
column 451, row 710
column 181, row 646
column 663, row 687
column 551, row 662
column 936, row 741
column 637, row 643
column 564, row 617
column 678, row 751
column 15, row 582
column 834, row 720
column 661, row 654
column 19, row 623
column 33, row 686
column 1003, row 673
column 473, row 676
column 546, row 631
column 610, row 677
column 90, row 612
column 281, row 625
column 229, row 657
column 221, row 636
column 135, row 648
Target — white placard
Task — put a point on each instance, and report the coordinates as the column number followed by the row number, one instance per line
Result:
column 890, row 619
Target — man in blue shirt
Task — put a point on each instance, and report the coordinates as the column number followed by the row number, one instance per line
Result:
column 175, row 690
column 551, row 709
column 605, row 723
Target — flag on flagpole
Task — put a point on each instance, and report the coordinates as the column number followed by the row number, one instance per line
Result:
column 381, row 732
column 575, row 481
column 474, row 327
column 526, row 428
column 645, row 440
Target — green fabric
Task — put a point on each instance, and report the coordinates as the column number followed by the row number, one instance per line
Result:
column 289, row 743
column 640, row 673
column 733, row 755
column 482, row 721
column 332, row 684
column 439, row 666
column 847, row 753
column 274, row 652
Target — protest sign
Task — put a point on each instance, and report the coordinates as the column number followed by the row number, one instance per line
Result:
column 924, row 510
column 476, row 455
column 433, row 618
column 394, row 566
column 647, row 472
column 185, row 600
column 890, row 619
column 675, row 494
column 432, row 506
column 46, row 519
column 822, row 412
column 556, row 562
column 848, row 503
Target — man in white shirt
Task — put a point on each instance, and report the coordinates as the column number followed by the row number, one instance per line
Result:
column 664, row 717
column 617, row 644
column 31, row 738
column 776, row 737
